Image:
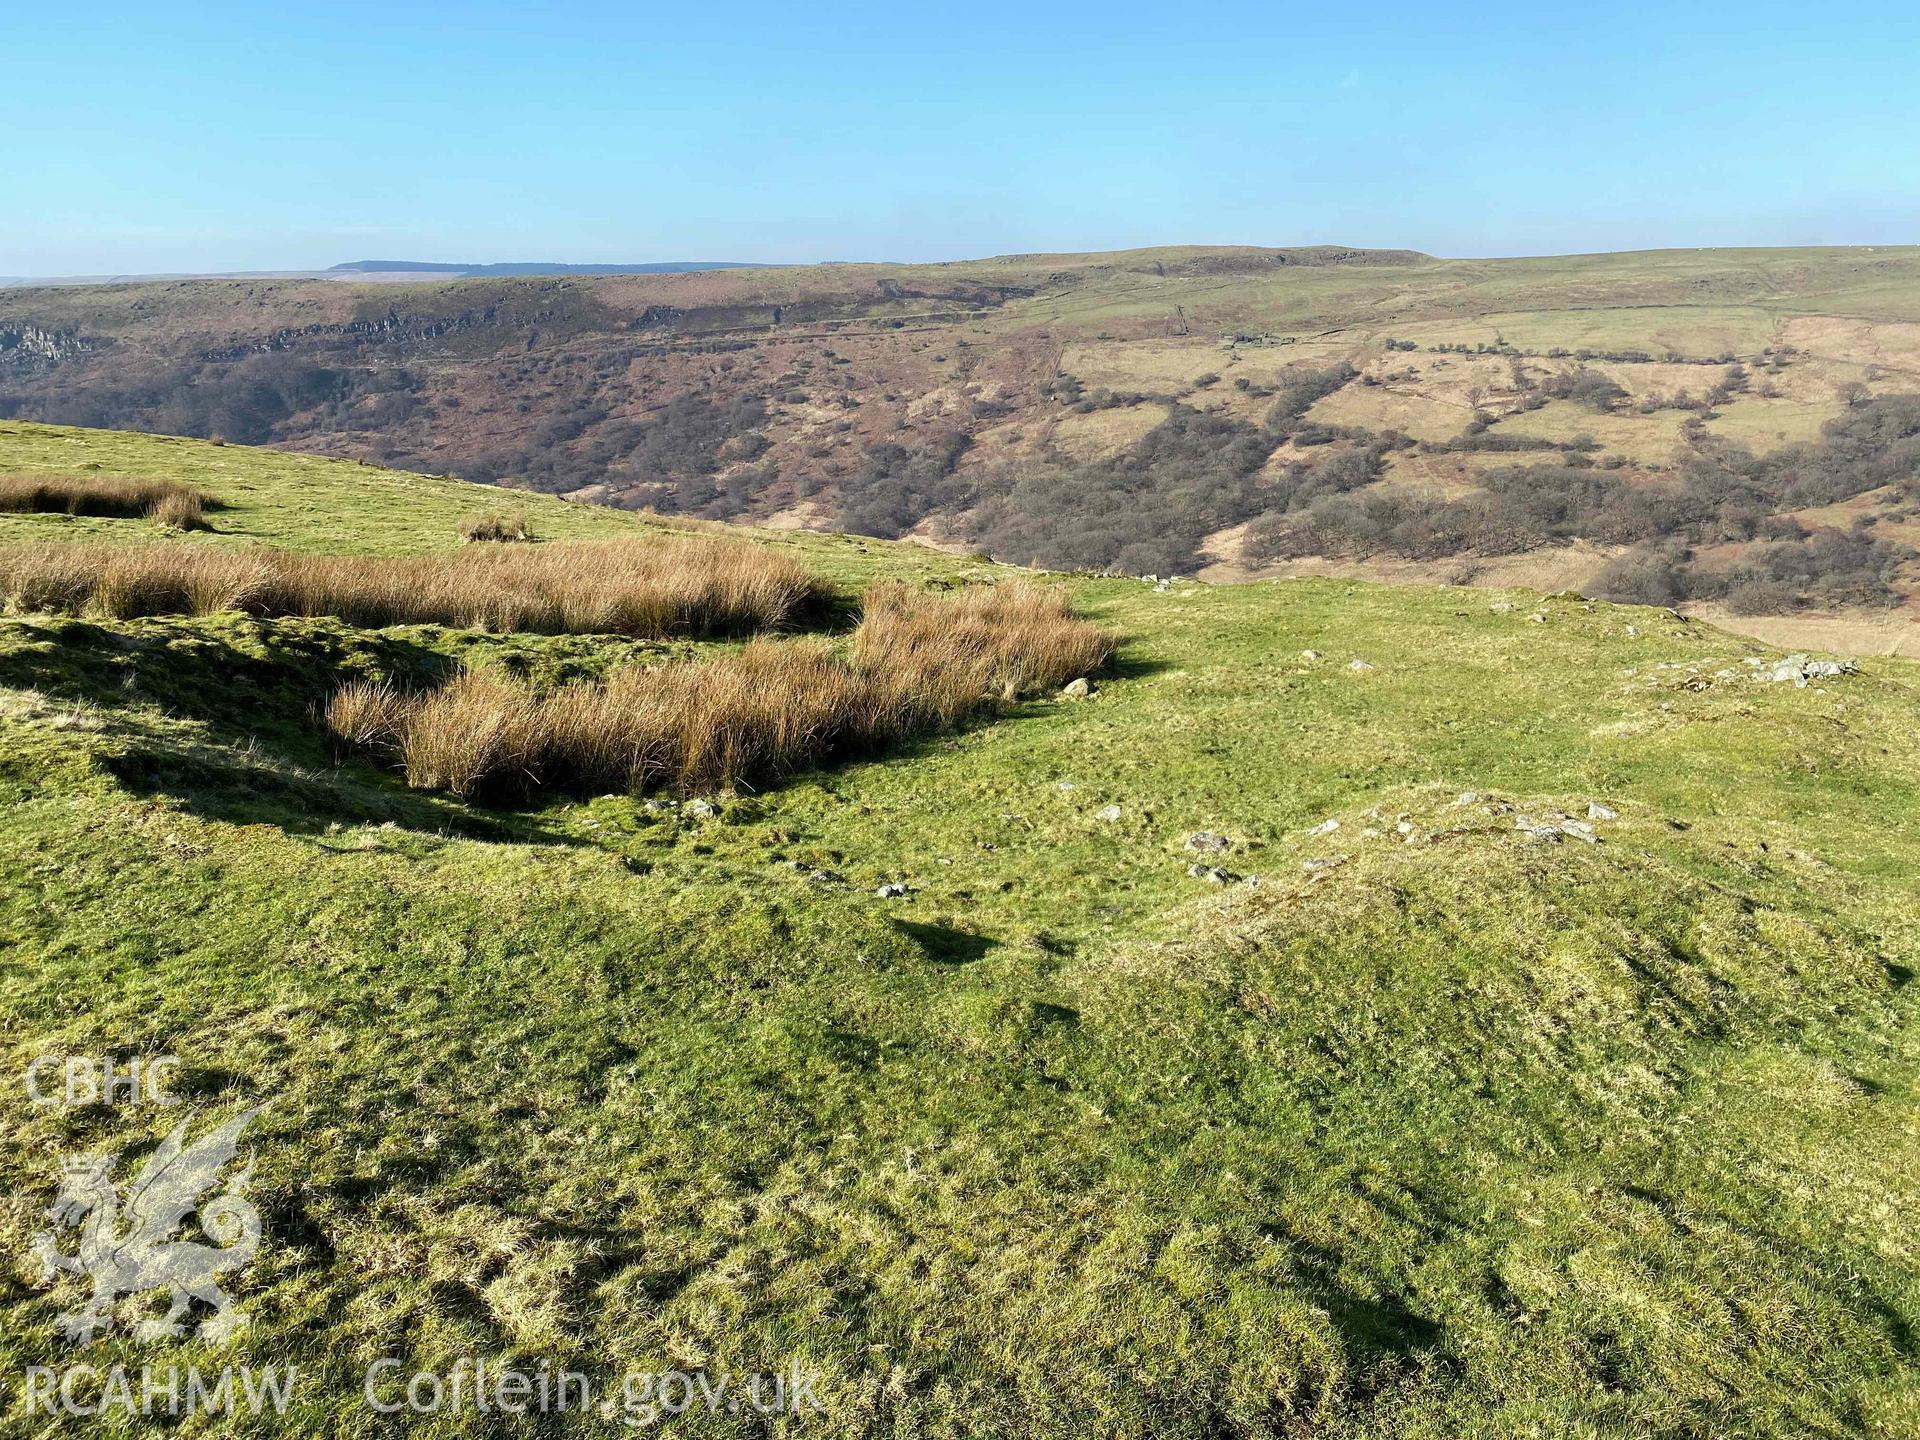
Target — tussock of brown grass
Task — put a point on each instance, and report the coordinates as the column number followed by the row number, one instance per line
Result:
column 942, row 659
column 368, row 714
column 166, row 502
column 496, row 527
column 917, row 664
column 182, row 510
column 647, row 588
column 471, row 729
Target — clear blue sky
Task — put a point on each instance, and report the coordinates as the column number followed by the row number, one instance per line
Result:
column 215, row 136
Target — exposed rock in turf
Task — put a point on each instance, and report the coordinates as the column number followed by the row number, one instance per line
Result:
column 1801, row 670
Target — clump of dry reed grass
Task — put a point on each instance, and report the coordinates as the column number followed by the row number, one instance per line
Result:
column 493, row 526
column 918, row 664
column 182, row 510
column 166, row 502
column 645, row 588
column 941, row 659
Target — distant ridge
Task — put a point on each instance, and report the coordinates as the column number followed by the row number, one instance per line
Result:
column 529, row 267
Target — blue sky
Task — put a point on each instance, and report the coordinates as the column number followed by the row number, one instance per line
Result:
column 215, row 136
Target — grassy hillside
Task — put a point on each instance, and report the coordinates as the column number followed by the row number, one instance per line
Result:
column 1436, row 1121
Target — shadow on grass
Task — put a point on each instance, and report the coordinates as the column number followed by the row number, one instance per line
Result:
column 257, row 688
column 1378, row 1330
column 945, row 945
column 212, row 783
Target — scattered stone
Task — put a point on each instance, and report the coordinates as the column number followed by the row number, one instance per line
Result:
column 1555, row 828
column 1309, row 655
column 826, row 877
column 1322, row 864
column 1066, row 787
column 1468, row 797
column 1212, row 874
column 1405, row 827
column 1207, row 841
column 1597, row 811
column 1077, row 689
column 1359, row 666
column 1801, row 670
column 1538, row 617
column 1501, row 607
column 892, row 890
column 701, row 809
column 1107, row 812
column 1325, row 827
column 1633, row 632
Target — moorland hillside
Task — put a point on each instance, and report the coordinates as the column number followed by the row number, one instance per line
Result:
column 1734, row 428
column 1353, row 1010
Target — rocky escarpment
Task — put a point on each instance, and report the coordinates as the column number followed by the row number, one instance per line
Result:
column 27, row 349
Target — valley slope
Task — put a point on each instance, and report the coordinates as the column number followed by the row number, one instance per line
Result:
column 1134, row 411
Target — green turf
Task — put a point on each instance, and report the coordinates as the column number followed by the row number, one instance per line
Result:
column 1463, row 1134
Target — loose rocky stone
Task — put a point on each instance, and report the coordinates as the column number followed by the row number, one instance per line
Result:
column 1205, row 840
column 1554, row 828
column 1107, row 812
column 892, row 890
column 1597, row 811
column 1801, row 671
column 1077, row 689
column 701, row 809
